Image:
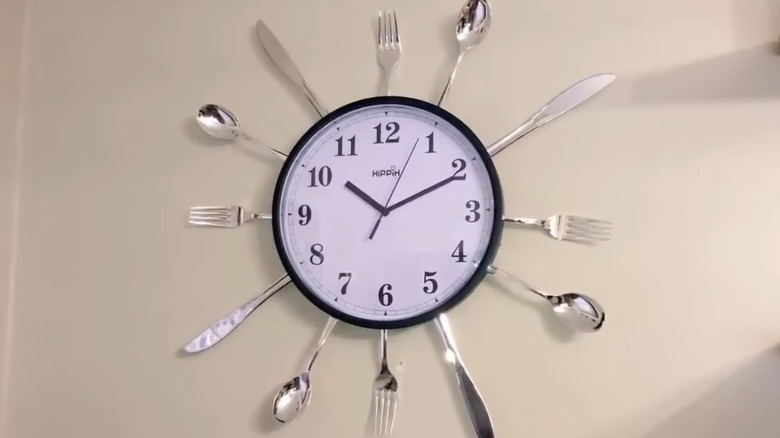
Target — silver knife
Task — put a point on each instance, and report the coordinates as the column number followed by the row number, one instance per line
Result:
column 285, row 64
column 558, row 106
column 220, row 329
column 480, row 418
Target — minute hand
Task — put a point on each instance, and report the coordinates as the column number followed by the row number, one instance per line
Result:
column 426, row 191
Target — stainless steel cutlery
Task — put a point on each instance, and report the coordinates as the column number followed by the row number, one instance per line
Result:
column 231, row 216
column 285, row 64
column 221, row 124
column 225, row 325
column 294, row 396
column 388, row 45
column 385, row 393
column 475, row 405
column 577, row 311
column 474, row 21
column 567, row 227
column 568, row 99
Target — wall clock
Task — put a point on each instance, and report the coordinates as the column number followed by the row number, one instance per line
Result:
column 387, row 212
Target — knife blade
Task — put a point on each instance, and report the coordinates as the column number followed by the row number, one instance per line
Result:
column 285, row 64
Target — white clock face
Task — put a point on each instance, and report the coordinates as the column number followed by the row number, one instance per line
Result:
column 387, row 212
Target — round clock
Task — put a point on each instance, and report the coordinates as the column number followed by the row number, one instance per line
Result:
column 387, row 212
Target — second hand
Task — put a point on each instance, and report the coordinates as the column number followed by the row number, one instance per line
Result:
column 379, row 220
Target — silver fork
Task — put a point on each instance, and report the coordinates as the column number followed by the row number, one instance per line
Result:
column 385, row 394
column 388, row 45
column 566, row 227
column 231, row 216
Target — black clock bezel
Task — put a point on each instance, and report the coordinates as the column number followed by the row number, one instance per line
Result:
column 496, row 229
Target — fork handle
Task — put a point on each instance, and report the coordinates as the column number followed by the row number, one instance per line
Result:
column 523, row 221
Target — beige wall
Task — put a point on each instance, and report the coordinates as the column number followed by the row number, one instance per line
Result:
column 11, row 29
column 681, row 153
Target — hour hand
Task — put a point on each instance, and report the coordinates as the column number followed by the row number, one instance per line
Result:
column 419, row 194
column 364, row 196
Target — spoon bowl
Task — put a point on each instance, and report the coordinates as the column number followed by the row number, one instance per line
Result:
column 218, row 122
column 474, row 21
column 577, row 311
column 292, row 399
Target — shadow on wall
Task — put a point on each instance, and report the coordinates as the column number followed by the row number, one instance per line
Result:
column 744, row 405
column 752, row 73
column 748, row 74
column 754, row 18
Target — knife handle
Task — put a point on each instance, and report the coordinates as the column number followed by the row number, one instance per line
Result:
column 478, row 413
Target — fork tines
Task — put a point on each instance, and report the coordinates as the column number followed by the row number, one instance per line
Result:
column 207, row 216
column 385, row 404
column 387, row 30
column 585, row 229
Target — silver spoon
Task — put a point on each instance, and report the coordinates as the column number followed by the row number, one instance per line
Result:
column 473, row 23
column 577, row 311
column 292, row 399
column 220, row 123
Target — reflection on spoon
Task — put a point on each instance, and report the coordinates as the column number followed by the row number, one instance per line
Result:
column 220, row 123
column 294, row 396
column 473, row 23
column 577, row 311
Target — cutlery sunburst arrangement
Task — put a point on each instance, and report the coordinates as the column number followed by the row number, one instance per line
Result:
column 413, row 212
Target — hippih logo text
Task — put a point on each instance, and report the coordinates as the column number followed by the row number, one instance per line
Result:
column 392, row 171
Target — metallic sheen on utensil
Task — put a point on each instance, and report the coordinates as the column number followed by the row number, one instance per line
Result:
column 292, row 399
column 577, row 311
column 220, row 329
column 227, row 216
column 220, row 123
column 473, row 23
column 568, row 227
column 385, row 393
column 478, row 412
column 285, row 64
column 568, row 99
column 388, row 45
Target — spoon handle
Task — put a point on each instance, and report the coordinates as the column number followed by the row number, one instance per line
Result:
column 568, row 99
column 279, row 154
column 446, row 91
column 477, row 409
column 285, row 64
column 220, row 329
column 323, row 337
column 495, row 270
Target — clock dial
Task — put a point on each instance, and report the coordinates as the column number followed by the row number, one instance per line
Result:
column 387, row 211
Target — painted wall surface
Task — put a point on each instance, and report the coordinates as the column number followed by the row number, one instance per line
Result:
column 680, row 153
column 11, row 32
